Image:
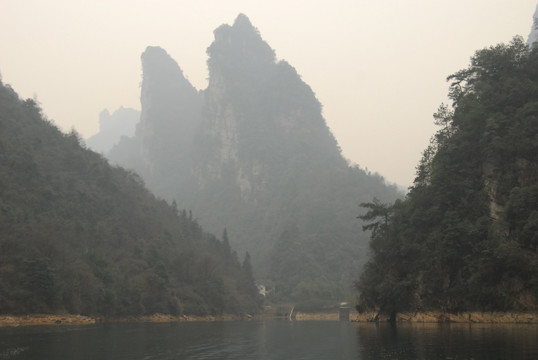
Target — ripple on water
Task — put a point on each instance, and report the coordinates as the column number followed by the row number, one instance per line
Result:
column 11, row 352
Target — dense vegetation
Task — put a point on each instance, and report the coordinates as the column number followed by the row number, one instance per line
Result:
column 80, row 236
column 260, row 162
column 466, row 236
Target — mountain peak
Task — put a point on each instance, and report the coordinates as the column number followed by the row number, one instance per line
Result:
column 243, row 22
column 255, row 155
column 155, row 60
column 162, row 73
column 238, row 47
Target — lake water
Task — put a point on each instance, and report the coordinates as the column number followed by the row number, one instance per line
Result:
column 271, row 339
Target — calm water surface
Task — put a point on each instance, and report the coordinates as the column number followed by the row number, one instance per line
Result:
column 270, row 340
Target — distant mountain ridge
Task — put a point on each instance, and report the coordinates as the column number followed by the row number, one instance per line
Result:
column 252, row 154
column 112, row 127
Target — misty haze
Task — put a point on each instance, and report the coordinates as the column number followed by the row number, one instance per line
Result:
column 226, row 221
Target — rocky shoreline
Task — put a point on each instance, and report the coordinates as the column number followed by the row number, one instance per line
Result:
column 45, row 319
column 329, row 316
column 442, row 317
column 67, row 319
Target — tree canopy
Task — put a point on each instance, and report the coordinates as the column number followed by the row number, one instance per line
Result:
column 465, row 237
column 80, row 236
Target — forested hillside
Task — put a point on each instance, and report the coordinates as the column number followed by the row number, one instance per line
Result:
column 252, row 153
column 80, row 236
column 466, row 236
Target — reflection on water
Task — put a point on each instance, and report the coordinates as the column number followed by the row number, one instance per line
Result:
column 448, row 341
column 198, row 340
column 275, row 340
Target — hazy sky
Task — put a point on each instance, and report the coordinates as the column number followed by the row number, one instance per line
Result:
column 379, row 67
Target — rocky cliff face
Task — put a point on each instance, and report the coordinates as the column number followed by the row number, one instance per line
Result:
column 252, row 153
column 258, row 113
column 170, row 113
column 161, row 149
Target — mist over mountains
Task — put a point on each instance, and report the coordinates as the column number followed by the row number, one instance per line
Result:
column 112, row 127
column 252, row 154
column 533, row 34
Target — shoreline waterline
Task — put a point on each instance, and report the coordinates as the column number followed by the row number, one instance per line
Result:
column 69, row 319
column 443, row 317
column 405, row 317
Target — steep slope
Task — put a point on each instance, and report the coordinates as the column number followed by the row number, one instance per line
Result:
column 80, row 236
column 171, row 108
column 466, row 237
column 263, row 164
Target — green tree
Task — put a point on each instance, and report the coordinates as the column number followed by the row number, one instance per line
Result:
column 80, row 236
column 465, row 236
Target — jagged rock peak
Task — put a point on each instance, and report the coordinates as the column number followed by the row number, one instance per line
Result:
column 157, row 62
column 162, row 75
column 243, row 21
column 158, row 65
column 238, row 46
column 154, row 58
column 533, row 35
